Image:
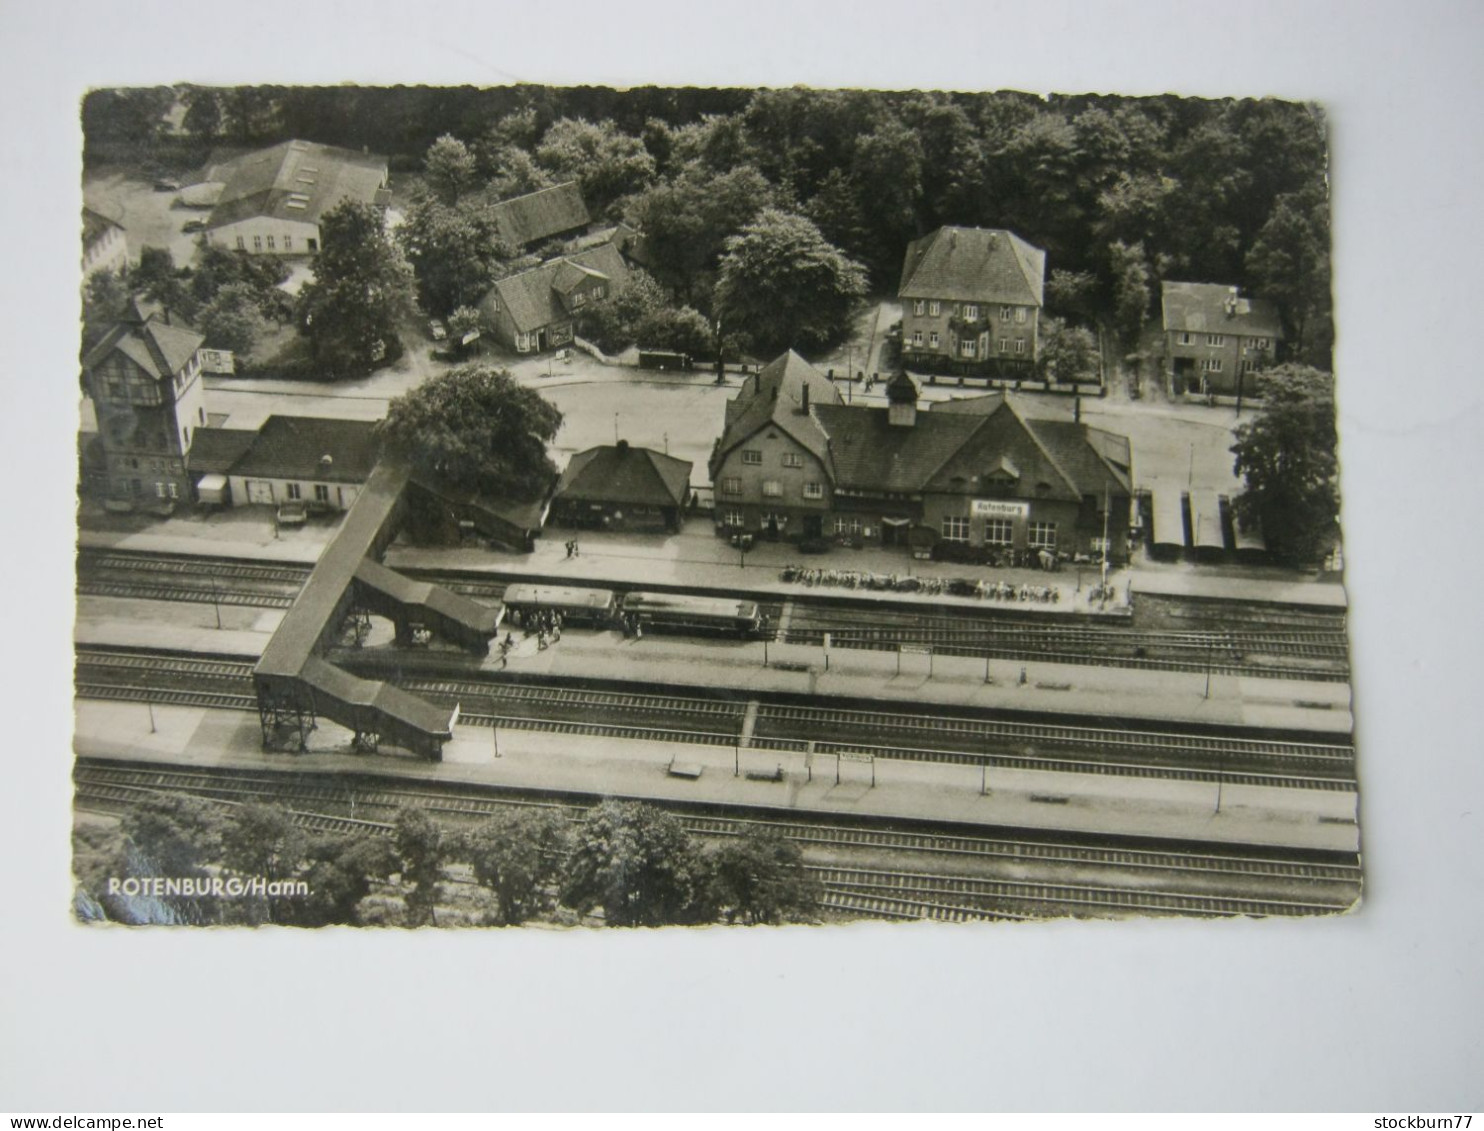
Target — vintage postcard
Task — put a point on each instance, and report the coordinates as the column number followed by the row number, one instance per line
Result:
column 580, row 507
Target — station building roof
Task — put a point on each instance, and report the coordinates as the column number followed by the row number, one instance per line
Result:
column 1210, row 308
column 309, row 448
column 988, row 265
column 295, row 180
column 536, row 216
column 618, row 473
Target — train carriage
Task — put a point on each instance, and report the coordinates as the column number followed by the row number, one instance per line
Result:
column 598, row 607
column 676, row 612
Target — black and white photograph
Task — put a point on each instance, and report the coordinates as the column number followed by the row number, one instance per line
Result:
column 571, row 506
column 830, row 557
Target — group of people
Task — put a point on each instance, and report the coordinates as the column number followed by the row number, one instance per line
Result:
column 573, row 549
column 544, row 624
column 631, row 625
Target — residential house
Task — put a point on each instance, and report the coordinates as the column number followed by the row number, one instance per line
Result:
column 104, row 247
column 144, row 378
column 537, row 310
column 271, row 201
column 319, row 461
column 971, row 303
column 620, row 487
column 993, row 471
column 1214, row 337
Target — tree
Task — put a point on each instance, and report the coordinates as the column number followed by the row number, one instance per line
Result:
column 687, row 220
column 159, row 280
column 1289, row 264
column 231, row 320
column 640, row 865
column 613, row 322
column 173, row 834
column 454, row 251
column 681, row 329
column 1133, row 290
column 449, row 169
column 261, row 840
column 475, row 427
column 1068, row 353
column 1070, row 292
column 1287, row 459
column 785, row 285
column 421, row 847
column 465, row 320
column 218, row 267
column 339, row 876
column 105, row 297
column 519, row 856
column 605, row 162
column 760, row 878
column 362, row 286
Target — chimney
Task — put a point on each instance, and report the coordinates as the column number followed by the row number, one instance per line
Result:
column 623, row 447
column 804, row 404
column 326, row 462
column 1077, row 409
column 1231, row 302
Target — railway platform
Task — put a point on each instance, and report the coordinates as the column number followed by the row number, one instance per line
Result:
column 753, row 666
column 637, row 768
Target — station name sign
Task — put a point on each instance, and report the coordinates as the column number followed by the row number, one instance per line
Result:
column 997, row 508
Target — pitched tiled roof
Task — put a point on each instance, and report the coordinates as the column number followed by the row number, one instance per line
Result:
column 1201, row 308
column 530, row 297
column 291, row 447
column 873, row 455
column 296, row 180
column 161, row 349
column 975, row 265
column 621, row 474
column 775, row 395
column 524, row 220
column 217, row 449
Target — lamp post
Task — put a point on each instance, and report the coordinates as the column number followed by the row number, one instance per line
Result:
column 216, row 603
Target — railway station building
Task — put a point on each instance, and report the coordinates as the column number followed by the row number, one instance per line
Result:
column 976, row 476
column 320, row 462
column 537, row 310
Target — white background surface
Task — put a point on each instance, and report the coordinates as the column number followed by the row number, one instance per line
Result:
column 1380, row 1011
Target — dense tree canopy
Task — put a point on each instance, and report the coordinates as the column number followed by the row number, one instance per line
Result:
column 1287, row 458
column 759, row 878
column 519, row 855
column 785, row 285
column 640, row 866
column 475, row 427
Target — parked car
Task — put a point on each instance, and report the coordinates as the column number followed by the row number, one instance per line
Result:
column 193, row 226
column 292, row 513
column 438, row 330
column 165, row 184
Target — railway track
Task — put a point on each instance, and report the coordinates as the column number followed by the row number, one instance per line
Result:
column 874, row 891
column 900, row 735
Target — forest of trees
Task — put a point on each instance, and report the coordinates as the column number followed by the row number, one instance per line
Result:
column 630, row 862
column 1121, row 192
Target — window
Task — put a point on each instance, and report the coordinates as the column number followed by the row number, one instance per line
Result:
column 732, row 518
column 1020, row 315
column 1187, row 338
column 292, row 490
column 322, row 492
column 752, row 455
column 1262, row 343
column 1004, row 345
column 966, row 348
column 578, row 299
column 1005, row 314
column 288, row 242
column 847, row 526
column 917, row 337
column 813, row 490
column 956, row 529
column 997, row 532
column 160, row 491
column 1215, row 339
column 918, row 306
column 241, row 244
column 731, row 485
column 1249, row 366
column 1211, row 364
column 1043, row 535
column 257, row 243
column 971, row 312
column 270, row 244
column 933, row 339
column 772, row 489
column 174, row 490
column 935, row 308
column 1019, row 345
column 792, row 459
column 599, row 292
